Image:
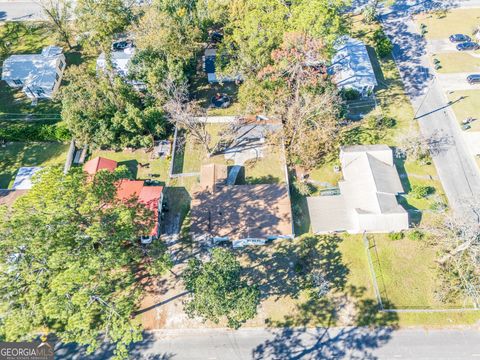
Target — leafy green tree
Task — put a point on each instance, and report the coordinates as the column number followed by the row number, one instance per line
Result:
column 296, row 89
column 171, row 29
column 321, row 19
column 99, row 20
column 254, row 30
column 107, row 112
column 58, row 14
column 69, row 257
column 218, row 290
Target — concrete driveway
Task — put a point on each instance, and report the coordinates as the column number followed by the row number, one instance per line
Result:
column 440, row 46
column 456, row 81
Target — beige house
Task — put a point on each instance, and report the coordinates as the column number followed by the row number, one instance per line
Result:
column 367, row 200
column 242, row 214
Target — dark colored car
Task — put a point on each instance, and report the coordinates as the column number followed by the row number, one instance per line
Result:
column 459, row 38
column 469, row 45
column 473, row 79
column 121, row 45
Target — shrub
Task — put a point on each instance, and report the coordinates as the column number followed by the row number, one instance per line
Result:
column 350, row 94
column 33, row 131
column 416, row 235
column 420, row 191
column 396, row 235
column 381, row 122
column 383, row 45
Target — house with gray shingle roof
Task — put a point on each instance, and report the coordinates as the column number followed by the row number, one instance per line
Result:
column 367, row 200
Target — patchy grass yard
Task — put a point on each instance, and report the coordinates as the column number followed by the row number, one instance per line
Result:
column 405, row 271
column 15, row 155
column 457, row 62
column 451, row 22
column 467, row 107
column 266, row 169
column 157, row 168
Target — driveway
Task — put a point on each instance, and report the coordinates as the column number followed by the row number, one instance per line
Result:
column 439, row 46
column 455, row 82
column 455, row 165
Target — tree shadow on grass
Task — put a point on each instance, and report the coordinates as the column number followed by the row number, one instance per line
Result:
column 132, row 166
column 310, row 331
column 285, row 268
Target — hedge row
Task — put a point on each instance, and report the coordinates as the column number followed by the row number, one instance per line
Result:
column 33, row 131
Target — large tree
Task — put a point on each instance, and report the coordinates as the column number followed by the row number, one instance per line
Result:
column 100, row 20
column 107, row 112
column 69, row 257
column 459, row 260
column 321, row 19
column 296, row 89
column 59, row 17
column 218, row 290
column 254, row 30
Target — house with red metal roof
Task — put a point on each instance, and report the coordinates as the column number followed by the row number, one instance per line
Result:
column 150, row 196
column 99, row 163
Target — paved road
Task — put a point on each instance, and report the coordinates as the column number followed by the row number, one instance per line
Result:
column 344, row 343
column 455, row 165
column 20, row 11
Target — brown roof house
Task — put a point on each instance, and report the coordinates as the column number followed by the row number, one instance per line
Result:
column 242, row 214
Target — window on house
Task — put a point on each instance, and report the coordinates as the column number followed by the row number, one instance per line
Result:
column 57, row 77
column 17, row 82
column 62, row 64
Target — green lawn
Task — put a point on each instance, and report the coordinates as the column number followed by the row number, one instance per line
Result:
column 267, row 169
column 16, row 155
column 405, row 271
column 467, row 107
column 132, row 159
column 452, row 22
column 457, row 62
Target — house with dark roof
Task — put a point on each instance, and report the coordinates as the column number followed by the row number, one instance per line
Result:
column 241, row 214
column 367, row 199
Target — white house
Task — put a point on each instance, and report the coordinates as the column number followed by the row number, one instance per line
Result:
column 351, row 66
column 367, row 200
column 39, row 75
column 120, row 60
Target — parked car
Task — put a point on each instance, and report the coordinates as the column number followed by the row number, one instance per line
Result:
column 121, row 45
column 465, row 127
column 456, row 38
column 469, row 45
column 473, row 79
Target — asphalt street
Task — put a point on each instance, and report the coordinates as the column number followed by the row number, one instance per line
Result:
column 337, row 343
column 455, row 165
column 20, row 11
